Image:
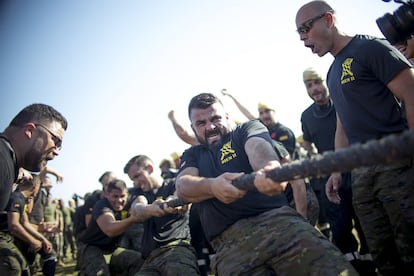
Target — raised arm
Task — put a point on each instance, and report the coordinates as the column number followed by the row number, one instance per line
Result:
column 241, row 107
column 49, row 170
column 181, row 132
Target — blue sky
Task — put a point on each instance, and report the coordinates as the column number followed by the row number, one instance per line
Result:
column 115, row 69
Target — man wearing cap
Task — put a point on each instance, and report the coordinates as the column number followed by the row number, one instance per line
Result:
column 371, row 84
column 301, row 197
column 335, row 220
column 253, row 232
column 278, row 131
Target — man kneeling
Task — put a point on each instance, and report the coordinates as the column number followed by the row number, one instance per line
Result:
column 109, row 221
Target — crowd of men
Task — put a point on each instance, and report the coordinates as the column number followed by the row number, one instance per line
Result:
column 355, row 223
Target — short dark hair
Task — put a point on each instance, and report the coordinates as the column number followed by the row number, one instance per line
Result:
column 105, row 174
column 39, row 113
column 28, row 184
column 202, row 101
column 116, row 184
column 139, row 160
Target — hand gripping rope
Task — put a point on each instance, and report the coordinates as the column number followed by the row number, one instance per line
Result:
column 382, row 151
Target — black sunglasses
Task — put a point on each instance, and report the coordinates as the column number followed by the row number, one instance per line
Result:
column 307, row 25
column 55, row 138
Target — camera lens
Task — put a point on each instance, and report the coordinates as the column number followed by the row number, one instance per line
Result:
column 398, row 27
column 387, row 26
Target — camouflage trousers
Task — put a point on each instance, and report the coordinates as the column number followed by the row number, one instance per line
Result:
column 122, row 261
column 12, row 261
column 383, row 199
column 178, row 259
column 277, row 242
column 131, row 239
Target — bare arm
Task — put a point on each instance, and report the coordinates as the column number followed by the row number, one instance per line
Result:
column 37, row 235
column 300, row 196
column 335, row 180
column 49, row 170
column 310, row 148
column 241, row 107
column 112, row 227
column 144, row 211
column 260, row 152
column 341, row 140
column 402, row 86
column 193, row 188
column 181, row 132
column 17, row 230
column 30, row 229
column 262, row 158
column 88, row 218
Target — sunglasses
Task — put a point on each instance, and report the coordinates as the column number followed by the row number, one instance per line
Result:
column 307, row 25
column 56, row 140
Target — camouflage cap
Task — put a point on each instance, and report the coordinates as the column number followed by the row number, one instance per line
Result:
column 311, row 74
column 262, row 106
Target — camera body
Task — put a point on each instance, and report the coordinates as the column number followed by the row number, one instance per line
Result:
column 399, row 26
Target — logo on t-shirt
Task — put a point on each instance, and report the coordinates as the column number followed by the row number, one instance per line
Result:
column 283, row 138
column 347, row 75
column 227, row 153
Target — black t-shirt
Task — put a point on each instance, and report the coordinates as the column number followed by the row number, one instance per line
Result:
column 160, row 231
column 357, row 81
column 93, row 234
column 16, row 204
column 230, row 156
column 91, row 201
column 40, row 201
column 284, row 135
column 133, row 193
column 319, row 126
column 8, row 171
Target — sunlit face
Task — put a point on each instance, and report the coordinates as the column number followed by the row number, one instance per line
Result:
column 117, row 199
column 267, row 117
column 318, row 91
column 47, row 141
column 141, row 177
column 47, row 183
column 210, row 124
column 313, row 30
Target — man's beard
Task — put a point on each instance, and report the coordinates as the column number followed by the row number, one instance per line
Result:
column 33, row 161
column 222, row 133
